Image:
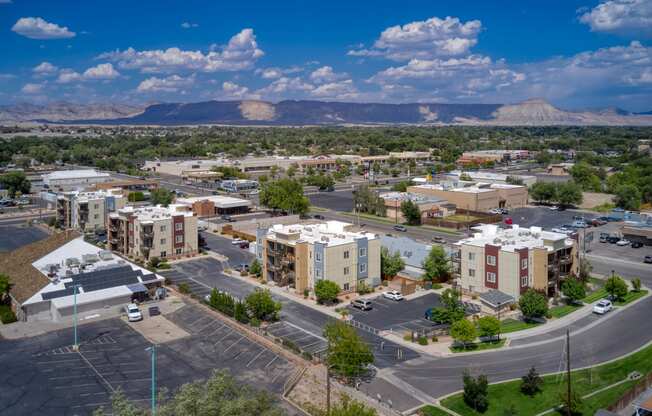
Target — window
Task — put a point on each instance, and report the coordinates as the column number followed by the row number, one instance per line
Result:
column 363, row 267
column 162, row 241
column 345, row 286
column 471, row 256
column 471, row 272
column 523, row 264
column 491, row 260
column 97, row 206
column 96, row 216
column 163, row 228
column 491, row 277
column 318, row 272
column 178, row 239
column 178, row 226
column 524, row 281
column 346, row 254
column 164, row 254
column 346, row 271
column 178, row 251
column 363, row 252
column 318, row 257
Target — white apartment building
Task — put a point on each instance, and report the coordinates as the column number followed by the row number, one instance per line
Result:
column 88, row 210
column 164, row 232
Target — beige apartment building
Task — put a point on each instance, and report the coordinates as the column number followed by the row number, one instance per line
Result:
column 164, row 232
column 88, row 210
column 480, row 197
column 514, row 260
column 301, row 255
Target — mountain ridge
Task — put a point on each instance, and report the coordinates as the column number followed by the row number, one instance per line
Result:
column 531, row 112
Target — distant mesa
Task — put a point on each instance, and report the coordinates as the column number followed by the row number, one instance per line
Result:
column 532, row 112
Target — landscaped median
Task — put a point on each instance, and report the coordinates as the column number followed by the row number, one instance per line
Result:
column 506, row 397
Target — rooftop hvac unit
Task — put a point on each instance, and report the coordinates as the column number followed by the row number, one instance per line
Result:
column 72, row 261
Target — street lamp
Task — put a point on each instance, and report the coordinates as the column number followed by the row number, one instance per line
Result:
column 152, row 351
column 75, row 289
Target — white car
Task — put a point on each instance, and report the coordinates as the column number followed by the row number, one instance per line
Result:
column 238, row 241
column 393, row 295
column 602, row 307
column 558, row 230
column 554, row 208
column 623, row 242
column 133, row 313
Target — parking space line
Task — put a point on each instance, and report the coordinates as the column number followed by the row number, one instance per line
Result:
column 239, row 339
column 206, row 326
column 96, row 372
column 224, row 336
column 67, row 386
column 256, row 357
column 273, row 359
column 217, row 330
column 197, row 320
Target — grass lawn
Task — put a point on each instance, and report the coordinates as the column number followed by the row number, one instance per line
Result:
column 597, row 295
column 631, row 297
column 461, row 218
column 513, row 325
column 370, row 217
column 430, row 410
column 504, row 395
column 478, row 346
column 441, row 229
column 563, row 310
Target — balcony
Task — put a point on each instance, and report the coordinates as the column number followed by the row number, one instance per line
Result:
column 565, row 259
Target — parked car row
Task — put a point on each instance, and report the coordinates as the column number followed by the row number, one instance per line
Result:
column 366, row 305
column 499, row 211
column 9, row 202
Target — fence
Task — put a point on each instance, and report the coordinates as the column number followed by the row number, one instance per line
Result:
column 364, row 327
column 631, row 394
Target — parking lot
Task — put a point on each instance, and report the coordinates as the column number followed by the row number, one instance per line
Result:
column 337, row 200
column 398, row 316
column 112, row 356
column 544, row 217
column 13, row 236
column 614, row 251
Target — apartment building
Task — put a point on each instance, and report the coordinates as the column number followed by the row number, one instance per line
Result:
column 88, row 210
column 302, row 254
column 480, row 197
column 514, row 260
column 164, row 232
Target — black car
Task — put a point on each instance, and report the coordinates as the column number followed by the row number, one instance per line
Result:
column 613, row 240
column 319, row 217
column 648, row 259
column 637, row 244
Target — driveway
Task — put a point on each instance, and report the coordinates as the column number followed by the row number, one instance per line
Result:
column 222, row 245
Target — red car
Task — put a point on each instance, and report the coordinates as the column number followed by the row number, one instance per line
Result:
column 509, row 221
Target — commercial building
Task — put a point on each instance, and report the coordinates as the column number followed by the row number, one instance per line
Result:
column 67, row 180
column 210, row 206
column 429, row 206
column 48, row 277
column 130, row 185
column 480, row 197
column 637, row 226
column 479, row 157
column 559, row 169
column 164, row 232
column 300, row 255
column 238, row 185
column 490, row 177
column 88, row 210
column 514, row 260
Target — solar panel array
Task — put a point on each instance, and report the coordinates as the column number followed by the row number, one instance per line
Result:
column 98, row 280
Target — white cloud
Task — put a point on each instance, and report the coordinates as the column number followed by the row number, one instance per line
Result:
column 326, row 74
column 37, row 28
column 276, row 72
column 239, row 54
column 67, row 76
column 31, row 88
column 233, row 90
column 101, row 71
column 340, row 90
column 285, row 85
column 188, row 25
column 427, row 39
column 620, row 16
column 173, row 83
column 45, row 68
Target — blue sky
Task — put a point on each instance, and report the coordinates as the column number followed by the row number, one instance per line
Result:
column 575, row 54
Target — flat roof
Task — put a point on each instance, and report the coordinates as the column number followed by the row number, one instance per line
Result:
column 513, row 238
column 488, row 175
column 468, row 189
column 75, row 174
column 405, row 196
column 157, row 212
column 330, row 233
column 220, row 201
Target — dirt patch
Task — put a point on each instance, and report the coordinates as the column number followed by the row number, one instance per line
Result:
column 593, row 199
column 158, row 329
column 257, row 110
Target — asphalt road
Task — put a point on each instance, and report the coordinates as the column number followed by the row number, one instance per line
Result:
column 337, row 201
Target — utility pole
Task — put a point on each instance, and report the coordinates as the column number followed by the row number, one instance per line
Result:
column 328, row 390
column 568, row 373
column 152, row 351
column 75, row 288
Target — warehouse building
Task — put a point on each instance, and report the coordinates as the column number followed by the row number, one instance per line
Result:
column 210, row 206
column 68, row 180
column 479, row 197
column 429, row 206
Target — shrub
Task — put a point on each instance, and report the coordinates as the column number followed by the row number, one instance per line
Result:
column 326, row 291
column 291, row 345
column 475, row 392
column 435, row 339
column 255, row 268
column 164, row 266
column 184, row 288
column 7, row 316
column 531, row 382
column 436, row 286
column 616, row 287
column 364, row 288
column 423, row 341
column 255, row 322
column 407, row 337
column 154, row 262
column 306, row 292
column 307, row 355
column 533, row 304
column 244, row 273
column 385, row 283
column 636, row 284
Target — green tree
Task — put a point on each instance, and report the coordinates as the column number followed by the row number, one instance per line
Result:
column 261, row 305
column 285, row 195
column 616, row 287
column 584, row 273
column 489, row 327
column 573, row 289
column 466, row 177
column 628, row 197
column 586, row 177
column 255, row 268
column 121, row 406
column 569, row 193
column 5, row 286
column 401, row 186
column 452, row 309
column 437, row 265
column 326, row 291
column 15, row 182
column 366, row 200
column 636, row 285
column 292, row 170
column 533, row 304
column 411, row 212
column 347, row 355
column 390, row 264
column 463, row 331
column 476, row 392
column 531, row 382
column 240, row 312
column 346, row 407
column 161, row 196
column 543, row 192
